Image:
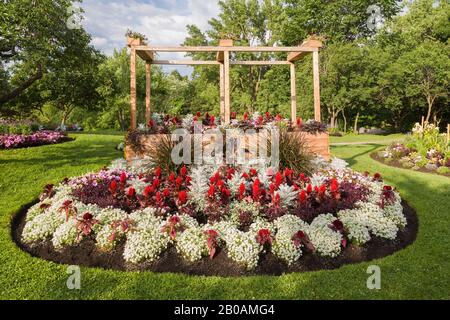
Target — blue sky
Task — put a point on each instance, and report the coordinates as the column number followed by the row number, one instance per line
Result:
column 162, row 21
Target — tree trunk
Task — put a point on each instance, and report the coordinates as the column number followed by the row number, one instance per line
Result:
column 430, row 101
column 355, row 127
column 345, row 121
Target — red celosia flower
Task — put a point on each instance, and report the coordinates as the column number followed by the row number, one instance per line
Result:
column 131, row 192
column 299, row 122
column 272, row 188
column 322, row 189
column 377, row 177
column 245, row 175
column 123, row 177
column 309, row 188
column 212, row 120
column 150, row 123
column 166, row 193
column 183, row 171
column 198, row 114
column 253, row 172
column 278, row 179
column 219, row 184
column 148, row 191
column 288, row 173
column 334, row 185
column 156, row 183
column 179, row 181
column 302, row 177
column 241, row 191
column 188, row 180
column 182, row 197
column 264, row 237
column 295, row 187
column 211, row 191
column 302, row 196
column 158, row 172
column 230, row 173
column 233, row 115
column 316, row 189
column 278, row 117
column 256, row 190
column 267, row 114
column 246, row 116
column 172, row 177
column 158, row 197
column 226, row 192
column 113, row 186
column 260, row 120
column 387, row 188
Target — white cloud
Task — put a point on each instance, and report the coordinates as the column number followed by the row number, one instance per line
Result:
column 163, row 22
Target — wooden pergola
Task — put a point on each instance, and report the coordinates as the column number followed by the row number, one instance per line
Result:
column 223, row 61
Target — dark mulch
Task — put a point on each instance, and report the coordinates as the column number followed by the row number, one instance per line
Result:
column 86, row 254
column 398, row 164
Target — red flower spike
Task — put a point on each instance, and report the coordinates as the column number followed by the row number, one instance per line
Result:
column 123, row 177
column 131, row 192
column 260, row 120
column 322, row 189
column 172, row 177
column 211, row 191
column 233, row 115
column 276, row 199
column 288, row 173
column 299, row 122
column 302, row 176
column 302, row 196
column 166, row 193
column 188, row 180
column 246, row 116
column 267, row 114
column 278, row 117
column 158, row 197
column 156, row 183
column 309, row 188
column 158, row 172
column 113, row 186
column 219, row 184
column 272, row 188
column 198, row 114
column 148, row 191
column 256, row 190
column 179, row 181
column 241, row 191
column 212, row 120
column 278, row 179
column 182, row 197
column 245, row 175
column 151, row 123
column 183, row 171
column 253, row 172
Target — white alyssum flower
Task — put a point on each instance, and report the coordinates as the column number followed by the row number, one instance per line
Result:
column 145, row 244
column 283, row 246
column 192, row 244
column 326, row 241
column 42, row 226
column 65, row 235
column 243, row 248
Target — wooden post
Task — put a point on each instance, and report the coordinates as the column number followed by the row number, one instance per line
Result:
column 133, row 88
column 316, row 84
column 148, row 73
column 222, row 92
column 423, row 121
column 226, row 69
column 293, row 95
column 448, row 133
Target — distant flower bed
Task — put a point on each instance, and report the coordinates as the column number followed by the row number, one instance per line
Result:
column 200, row 211
column 426, row 149
column 11, row 141
column 163, row 124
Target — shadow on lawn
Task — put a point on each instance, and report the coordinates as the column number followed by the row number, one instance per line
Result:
column 352, row 158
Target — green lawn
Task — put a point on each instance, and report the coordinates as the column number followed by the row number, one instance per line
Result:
column 364, row 138
column 419, row 271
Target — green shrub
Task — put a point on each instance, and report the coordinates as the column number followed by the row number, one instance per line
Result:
column 443, row 170
column 422, row 163
column 407, row 165
column 388, row 160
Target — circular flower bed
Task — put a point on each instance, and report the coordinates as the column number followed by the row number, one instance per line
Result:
column 217, row 220
column 13, row 141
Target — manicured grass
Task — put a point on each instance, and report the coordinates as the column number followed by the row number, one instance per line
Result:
column 419, row 271
column 372, row 138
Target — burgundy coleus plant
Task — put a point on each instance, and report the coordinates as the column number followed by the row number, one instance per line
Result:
column 264, row 237
column 212, row 242
column 85, row 224
column 387, row 196
column 338, row 226
column 300, row 238
column 173, row 226
column 47, row 193
column 68, row 208
column 120, row 225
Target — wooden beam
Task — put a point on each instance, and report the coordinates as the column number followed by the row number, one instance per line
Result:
column 148, row 75
column 133, row 88
column 146, row 55
column 294, row 56
column 293, row 94
column 231, row 49
column 185, row 62
column 226, row 73
column 259, row 63
column 316, row 85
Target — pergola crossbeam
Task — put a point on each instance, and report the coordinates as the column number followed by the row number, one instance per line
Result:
column 224, row 48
